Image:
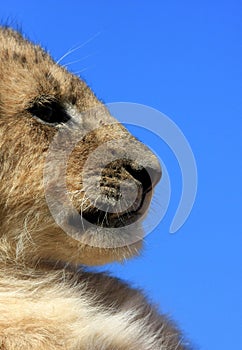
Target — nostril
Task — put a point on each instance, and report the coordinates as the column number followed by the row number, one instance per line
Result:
column 148, row 177
column 142, row 176
column 155, row 174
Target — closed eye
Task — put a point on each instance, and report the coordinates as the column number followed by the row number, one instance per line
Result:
column 50, row 112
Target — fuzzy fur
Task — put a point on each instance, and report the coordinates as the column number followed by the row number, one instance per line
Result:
column 46, row 300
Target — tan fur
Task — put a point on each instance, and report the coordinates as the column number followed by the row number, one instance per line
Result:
column 46, row 301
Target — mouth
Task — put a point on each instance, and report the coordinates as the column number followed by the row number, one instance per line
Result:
column 102, row 218
column 106, row 219
column 118, row 207
column 115, row 200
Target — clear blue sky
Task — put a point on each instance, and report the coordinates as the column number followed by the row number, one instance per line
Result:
column 184, row 59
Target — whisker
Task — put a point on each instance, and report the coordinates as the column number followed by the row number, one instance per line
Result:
column 77, row 48
column 78, row 72
column 105, row 216
column 77, row 61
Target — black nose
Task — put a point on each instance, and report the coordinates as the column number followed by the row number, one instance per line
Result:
column 148, row 176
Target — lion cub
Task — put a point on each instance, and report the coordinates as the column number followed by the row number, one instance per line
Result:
column 50, row 125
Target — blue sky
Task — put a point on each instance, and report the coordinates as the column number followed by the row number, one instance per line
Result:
column 182, row 58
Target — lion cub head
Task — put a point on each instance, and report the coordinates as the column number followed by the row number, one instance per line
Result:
column 75, row 184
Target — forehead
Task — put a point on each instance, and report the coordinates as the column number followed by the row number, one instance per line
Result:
column 28, row 72
column 19, row 52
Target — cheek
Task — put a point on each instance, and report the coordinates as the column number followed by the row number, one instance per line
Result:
column 21, row 186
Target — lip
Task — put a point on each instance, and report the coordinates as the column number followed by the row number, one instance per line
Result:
column 98, row 217
column 103, row 219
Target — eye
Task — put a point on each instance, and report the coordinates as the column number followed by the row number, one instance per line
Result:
column 50, row 112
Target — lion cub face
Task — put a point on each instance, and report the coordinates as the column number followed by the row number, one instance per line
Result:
column 74, row 182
